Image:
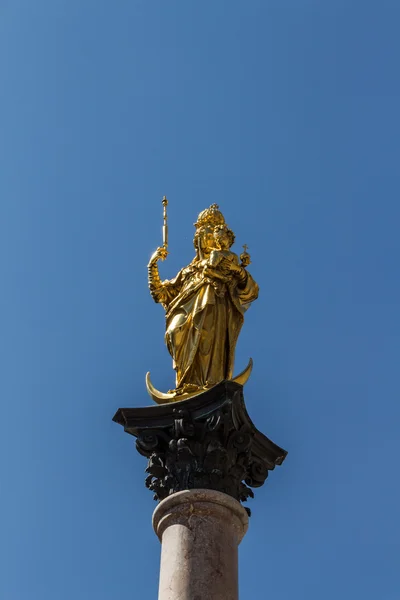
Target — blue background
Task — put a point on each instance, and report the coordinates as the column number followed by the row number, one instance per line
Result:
column 286, row 113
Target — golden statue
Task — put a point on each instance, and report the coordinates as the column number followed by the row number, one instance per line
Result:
column 204, row 305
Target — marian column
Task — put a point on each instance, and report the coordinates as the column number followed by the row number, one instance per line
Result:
column 204, row 453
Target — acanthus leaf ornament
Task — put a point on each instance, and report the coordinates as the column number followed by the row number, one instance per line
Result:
column 206, row 441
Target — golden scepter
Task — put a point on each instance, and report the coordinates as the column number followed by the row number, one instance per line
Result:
column 165, row 226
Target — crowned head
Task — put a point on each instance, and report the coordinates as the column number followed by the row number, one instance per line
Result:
column 211, row 217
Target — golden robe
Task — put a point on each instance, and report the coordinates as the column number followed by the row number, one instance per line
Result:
column 204, row 317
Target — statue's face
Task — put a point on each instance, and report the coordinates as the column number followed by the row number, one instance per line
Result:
column 206, row 238
column 222, row 239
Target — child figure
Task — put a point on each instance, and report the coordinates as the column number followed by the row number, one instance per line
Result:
column 222, row 263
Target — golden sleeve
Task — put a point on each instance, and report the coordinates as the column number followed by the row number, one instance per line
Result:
column 165, row 291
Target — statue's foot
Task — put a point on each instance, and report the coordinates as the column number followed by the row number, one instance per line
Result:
column 209, row 384
column 186, row 388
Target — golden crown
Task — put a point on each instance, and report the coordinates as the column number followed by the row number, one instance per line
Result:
column 210, row 216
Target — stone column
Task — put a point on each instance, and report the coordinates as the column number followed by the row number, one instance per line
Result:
column 204, row 456
column 200, row 531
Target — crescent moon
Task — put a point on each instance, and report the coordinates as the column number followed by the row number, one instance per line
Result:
column 161, row 398
column 244, row 375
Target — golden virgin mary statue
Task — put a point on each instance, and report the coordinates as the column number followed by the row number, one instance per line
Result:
column 205, row 305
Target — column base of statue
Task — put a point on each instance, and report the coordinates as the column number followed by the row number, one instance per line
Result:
column 204, row 457
column 200, row 531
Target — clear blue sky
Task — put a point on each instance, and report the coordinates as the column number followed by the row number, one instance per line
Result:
column 286, row 113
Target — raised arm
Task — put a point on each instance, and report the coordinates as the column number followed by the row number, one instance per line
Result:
column 155, row 285
column 161, row 291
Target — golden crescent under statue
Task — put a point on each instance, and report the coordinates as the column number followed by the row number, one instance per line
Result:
column 162, row 398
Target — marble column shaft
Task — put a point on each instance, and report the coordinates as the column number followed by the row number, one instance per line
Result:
column 200, row 531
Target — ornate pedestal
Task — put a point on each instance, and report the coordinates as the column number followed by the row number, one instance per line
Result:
column 201, row 451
